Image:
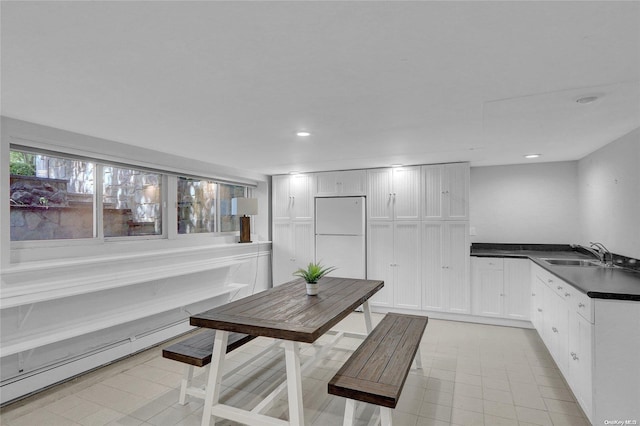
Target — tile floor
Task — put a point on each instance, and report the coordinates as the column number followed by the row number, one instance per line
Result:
column 472, row 375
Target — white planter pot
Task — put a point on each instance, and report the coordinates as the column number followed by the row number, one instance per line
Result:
column 312, row 289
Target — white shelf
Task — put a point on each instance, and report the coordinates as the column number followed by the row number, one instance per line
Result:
column 126, row 313
column 88, row 282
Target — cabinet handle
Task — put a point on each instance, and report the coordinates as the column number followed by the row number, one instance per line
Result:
column 574, row 356
column 581, row 305
column 549, row 280
column 555, row 330
column 567, row 294
column 502, row 294
column 539, row 310
column 559, row 287
column 533, row 294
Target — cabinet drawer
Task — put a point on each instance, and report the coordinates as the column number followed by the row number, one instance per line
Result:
column 583, row 305
column 489, row 263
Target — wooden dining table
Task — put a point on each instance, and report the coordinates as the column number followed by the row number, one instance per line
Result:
column 286, row 313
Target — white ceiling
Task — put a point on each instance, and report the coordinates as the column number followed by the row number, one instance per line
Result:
column 376, row 83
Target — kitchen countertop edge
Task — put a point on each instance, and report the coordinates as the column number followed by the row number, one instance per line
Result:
column 560, row 272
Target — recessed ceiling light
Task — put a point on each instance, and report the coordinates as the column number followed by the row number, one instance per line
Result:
column 532, row 156
column 303, row 134
column 294, row 172
column 587, row 99
column 396, row 165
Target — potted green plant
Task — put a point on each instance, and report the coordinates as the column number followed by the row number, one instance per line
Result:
column 312, row 274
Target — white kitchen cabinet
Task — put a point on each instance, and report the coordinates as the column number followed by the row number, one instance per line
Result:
column 517, row 289
column 434, row 287
column 445, row 266
column 580, row 364
column 501, row 287
column 341, row 183
column 561, row 320
column 292, row 247
column 487, row 284
column 293, row 197
column 379, row 258
column 394, row 256
column 445, row 191
column 393, row 194
column 537, row 303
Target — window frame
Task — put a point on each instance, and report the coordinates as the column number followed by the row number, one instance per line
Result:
column 168, row 198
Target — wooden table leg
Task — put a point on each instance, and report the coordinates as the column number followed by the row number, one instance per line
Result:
column 215, row 375
column 294, row 382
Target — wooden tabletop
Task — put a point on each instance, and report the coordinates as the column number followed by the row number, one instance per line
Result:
column 286, row 312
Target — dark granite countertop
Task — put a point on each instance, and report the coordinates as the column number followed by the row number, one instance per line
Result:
column 595, row 282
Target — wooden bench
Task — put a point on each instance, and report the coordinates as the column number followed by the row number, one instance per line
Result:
column 196, row 351
column 376, row 372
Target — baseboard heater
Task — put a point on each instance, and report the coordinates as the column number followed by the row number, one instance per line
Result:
column 14, row 389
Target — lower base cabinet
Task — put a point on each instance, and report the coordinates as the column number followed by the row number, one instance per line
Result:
column 567, row 334
column 501, row 287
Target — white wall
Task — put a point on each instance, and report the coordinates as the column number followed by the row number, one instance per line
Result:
column 609, row 193
column 527, row 203
column 66, row 307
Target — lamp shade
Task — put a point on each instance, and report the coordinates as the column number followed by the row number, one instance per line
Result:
column 244, row 206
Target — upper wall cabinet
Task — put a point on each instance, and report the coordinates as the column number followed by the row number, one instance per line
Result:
column 446, row 192
column 293, row 197
column 344, row 183
column 394, row 194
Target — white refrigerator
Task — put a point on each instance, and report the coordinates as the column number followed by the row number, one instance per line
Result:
column 340, row 235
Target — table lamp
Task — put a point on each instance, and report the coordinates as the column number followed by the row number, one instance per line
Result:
column 244, row 207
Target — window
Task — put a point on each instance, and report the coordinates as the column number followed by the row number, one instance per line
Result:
column 229, row 222
column 54, row 196
column 205, row 206
column 131, row 202
column 51, row 197
column 196, row 206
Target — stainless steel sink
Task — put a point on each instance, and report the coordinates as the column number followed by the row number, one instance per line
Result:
column 574, row 262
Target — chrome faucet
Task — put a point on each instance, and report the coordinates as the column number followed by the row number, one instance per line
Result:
column 604, row 252
column 596, row 253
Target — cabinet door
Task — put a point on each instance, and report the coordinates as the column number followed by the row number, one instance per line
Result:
column 379, row 195
column 348, row 182
column 326, row 184
column 302, row 196
column 351, row 182
column 549, row 320
column 303, row 244
column 580, row 360
column 406, row 193
column 456, row 266
column 281, row 197
column 457, row 191
column 283, row 252
column 562, row 324
column 537, row 304
column 487, row 282
column 379, row 260
column 406, row 265
column 517, row 288
column 434, row 290
column 432, row 192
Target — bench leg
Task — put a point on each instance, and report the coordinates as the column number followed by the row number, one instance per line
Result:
column 185, row 383
column 418, row 360
column 367, row 316
column 349, row 412
column 385, row 416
